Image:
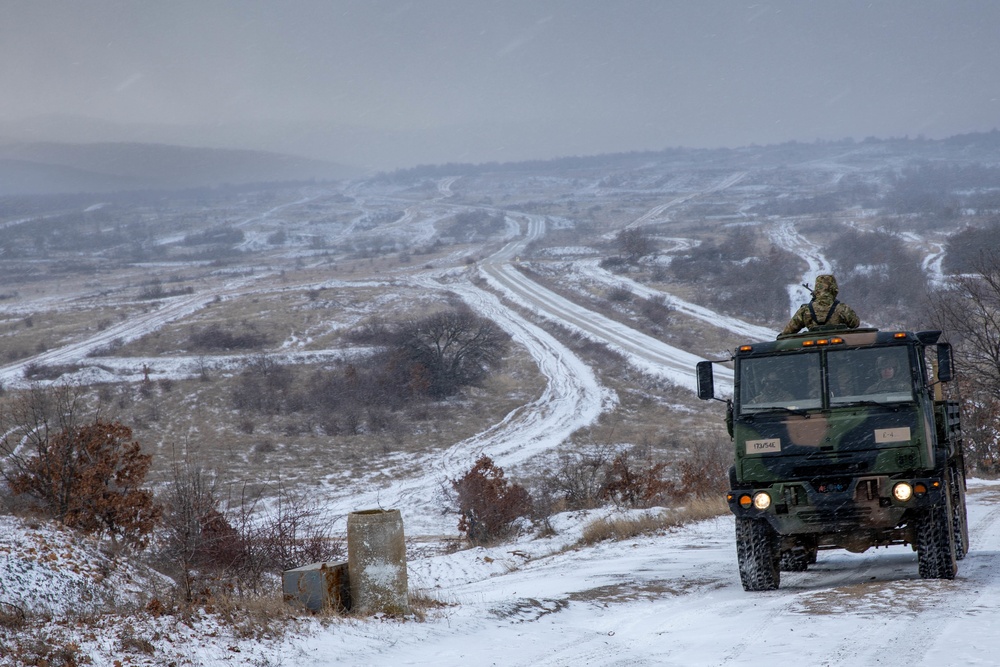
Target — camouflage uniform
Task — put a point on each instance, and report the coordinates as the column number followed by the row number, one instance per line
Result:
column 889, row 377
column 823, row 310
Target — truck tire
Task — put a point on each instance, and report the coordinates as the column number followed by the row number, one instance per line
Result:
column 811, row 554
column 757, row 551
column 795, row 560
column 960, row 519
column 936, row 557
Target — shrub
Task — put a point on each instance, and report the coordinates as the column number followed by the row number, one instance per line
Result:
column 635, row 483
column 214, row 337
column 634, row 244
column 703, row 471
column 263, row 385
column 209, row 550
column 575, row 483
column 192, row 525
column 488, row 503
column 614, row 264
column 620, row 293
column 37, row 371
column 89, row 478
column 657, row 310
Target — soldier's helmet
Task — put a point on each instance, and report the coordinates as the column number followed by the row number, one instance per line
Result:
column 826, row 284
column 884, row 362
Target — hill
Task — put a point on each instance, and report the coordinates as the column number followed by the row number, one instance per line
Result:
column 53, row 168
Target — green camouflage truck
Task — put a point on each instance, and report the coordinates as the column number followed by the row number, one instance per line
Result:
column 843, row 440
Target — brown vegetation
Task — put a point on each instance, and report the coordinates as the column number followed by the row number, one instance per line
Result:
column 88, row 476
column 488, row 503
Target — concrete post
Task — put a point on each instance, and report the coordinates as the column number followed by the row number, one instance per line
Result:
column 376, row 562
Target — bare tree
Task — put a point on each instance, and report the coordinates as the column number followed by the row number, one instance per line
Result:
column 969, row 310
column 192, row 539
column 451, row 349
column 635, row 244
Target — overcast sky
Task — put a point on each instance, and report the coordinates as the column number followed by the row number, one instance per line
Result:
column 388, row 83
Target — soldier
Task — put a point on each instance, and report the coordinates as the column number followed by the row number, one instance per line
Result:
column 889, row 377
column 823, row 309
column 771, row 390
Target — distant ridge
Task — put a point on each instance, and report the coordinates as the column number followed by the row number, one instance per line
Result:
column 53, row 168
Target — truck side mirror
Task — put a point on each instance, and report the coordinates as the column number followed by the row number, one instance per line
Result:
column 706, row 380
column 945, row 366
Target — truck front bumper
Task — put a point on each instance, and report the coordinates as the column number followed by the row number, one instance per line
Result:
column 824, row 506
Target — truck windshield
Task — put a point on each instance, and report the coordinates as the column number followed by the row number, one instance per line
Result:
column 794, row 381
column 881, row 375
column 791, row 382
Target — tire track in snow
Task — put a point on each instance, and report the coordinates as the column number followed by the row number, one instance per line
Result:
column 652, row 214
column 950, row 607
column 784, row 235
column 572, row 399
column 646, row 352
column 135, row 327
column 591, row 269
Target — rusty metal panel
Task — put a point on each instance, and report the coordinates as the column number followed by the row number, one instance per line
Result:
column 318, row 587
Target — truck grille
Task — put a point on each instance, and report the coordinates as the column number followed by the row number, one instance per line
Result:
column 839, row 515
column 830, row 470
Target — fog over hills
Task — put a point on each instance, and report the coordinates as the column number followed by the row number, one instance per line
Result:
column 51, row 168
column 385, row 85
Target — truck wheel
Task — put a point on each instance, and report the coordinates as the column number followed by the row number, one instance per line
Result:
column 795, row 560
column 960, row 519
column 811, row 554
column 936, row 557
column 757, row 551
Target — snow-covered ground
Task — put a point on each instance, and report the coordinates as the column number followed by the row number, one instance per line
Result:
column 673, row 598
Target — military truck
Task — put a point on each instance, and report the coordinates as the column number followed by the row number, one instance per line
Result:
column 843, row 440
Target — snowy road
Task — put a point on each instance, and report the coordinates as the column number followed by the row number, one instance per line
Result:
column 784, row 235
column 135, row 327
column 649, row 354
column 572, row 399
column 675, row 599
column 591, row 269
column 653, row 214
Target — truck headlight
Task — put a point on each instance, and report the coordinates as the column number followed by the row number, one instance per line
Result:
column 762, row 501
column 902, row 492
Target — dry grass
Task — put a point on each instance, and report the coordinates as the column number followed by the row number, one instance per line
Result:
column 423, row 603
column 257, row 617
column 194, row 419
column 22, row 336
column 623, row 528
